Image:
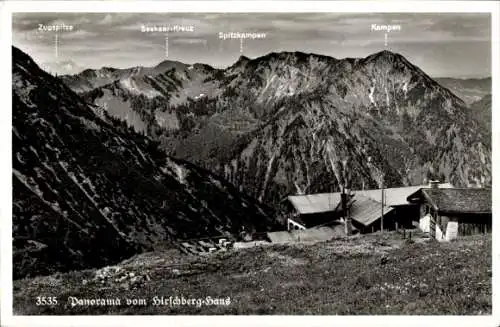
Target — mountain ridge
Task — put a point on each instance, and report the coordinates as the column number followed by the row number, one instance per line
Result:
column 413, row 126
column 88, row 191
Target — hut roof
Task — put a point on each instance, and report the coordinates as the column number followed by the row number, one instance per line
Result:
column 315, row 203
column 324, row 202
column 456, row 200
column 366, row 211
column 396, row 196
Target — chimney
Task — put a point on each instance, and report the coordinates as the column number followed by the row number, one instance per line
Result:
column 434, row 184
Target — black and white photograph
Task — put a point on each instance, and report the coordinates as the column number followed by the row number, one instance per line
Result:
column 252, row 163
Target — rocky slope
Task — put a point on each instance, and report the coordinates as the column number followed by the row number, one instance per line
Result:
column 88, row 191
column 482, row 111
column 381, row 113
column 125, row 92
column 286, row 123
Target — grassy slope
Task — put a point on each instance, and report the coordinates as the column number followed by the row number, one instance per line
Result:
column 336, row 277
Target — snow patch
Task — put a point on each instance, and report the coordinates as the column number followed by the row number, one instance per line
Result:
column 101, row 74
column 20, row 158
column 16, row 133
column 142, row 154
column 266, row 178
column 167, row 120
column 370, row 96
column 127, row 83
column 131, row 85
column 405, row 89
column 181, row 174
column 34, row 151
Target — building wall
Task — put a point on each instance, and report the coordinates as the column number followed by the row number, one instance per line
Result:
column 430, row 222
column 442, row 223
column 472, row 229
column 293, row 225
column 440, row 234
column 468, row 224
column 319, row 218
column 471, row 224
column 436, row 223
column 425, row 223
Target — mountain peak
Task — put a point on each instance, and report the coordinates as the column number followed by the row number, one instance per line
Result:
column 292, row 57
column 169, row 64
column 22, row 58
column 108, row 69
column 242, row 60
column 388, row 58
column 385, row 54
column 201, row 66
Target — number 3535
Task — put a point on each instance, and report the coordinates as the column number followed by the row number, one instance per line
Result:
column 46, row 300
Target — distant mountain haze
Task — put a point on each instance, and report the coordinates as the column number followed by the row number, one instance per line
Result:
column 271, row 123
column 468, row 89
column 65, row 66
column 89, row 191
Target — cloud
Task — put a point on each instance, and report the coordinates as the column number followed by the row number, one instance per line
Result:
column 107, row 20
column 79, row 34
column 61, row 67
column 468, row 25
column 189, row 41
column 118, row 41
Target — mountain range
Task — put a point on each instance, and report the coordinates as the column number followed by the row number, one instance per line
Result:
column 89, row 191
column 287, row 122
column 111, row 162
column 468, row 89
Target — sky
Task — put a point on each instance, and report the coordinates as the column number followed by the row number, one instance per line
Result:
column 442, row 44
